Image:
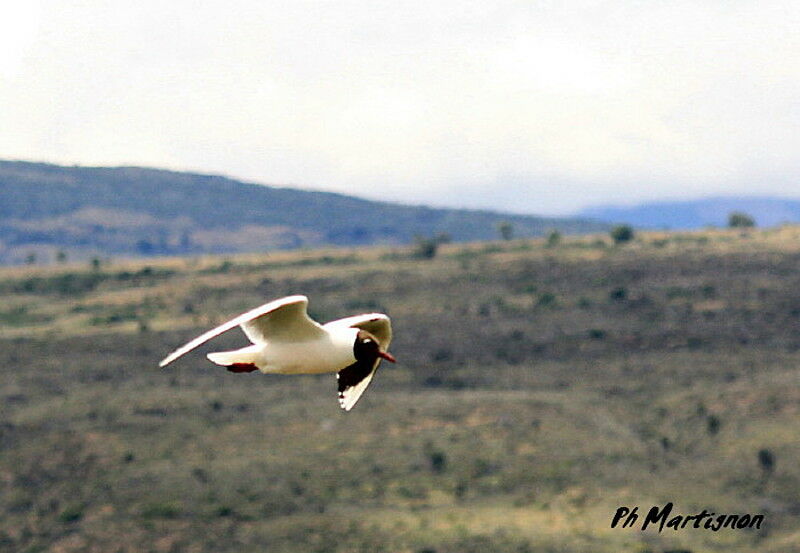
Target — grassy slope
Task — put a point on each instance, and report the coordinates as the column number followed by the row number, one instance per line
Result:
column 538, row 389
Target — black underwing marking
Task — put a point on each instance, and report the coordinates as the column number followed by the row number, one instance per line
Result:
column 242, row 368
column 353, row 374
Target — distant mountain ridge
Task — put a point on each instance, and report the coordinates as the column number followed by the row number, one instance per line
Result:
column 692, row 214
column 131, row 211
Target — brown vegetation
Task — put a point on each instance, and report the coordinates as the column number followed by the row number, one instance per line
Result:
column 540, row 386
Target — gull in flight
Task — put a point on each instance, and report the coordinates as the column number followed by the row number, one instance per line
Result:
column 285, row 340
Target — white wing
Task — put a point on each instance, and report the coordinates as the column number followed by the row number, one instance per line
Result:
column 376, row 324
column 286, row 321
column 282, row 320
column 353, row 380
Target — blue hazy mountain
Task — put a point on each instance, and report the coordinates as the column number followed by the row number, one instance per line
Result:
column 691, row 214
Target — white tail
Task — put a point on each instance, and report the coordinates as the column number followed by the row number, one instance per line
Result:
column 245, row 356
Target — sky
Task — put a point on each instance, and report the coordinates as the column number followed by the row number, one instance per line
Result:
column 541, row 107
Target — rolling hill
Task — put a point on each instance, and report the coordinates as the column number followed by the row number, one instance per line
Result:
column 134, row 211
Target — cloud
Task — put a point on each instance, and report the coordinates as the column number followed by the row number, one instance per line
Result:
column 537, row 107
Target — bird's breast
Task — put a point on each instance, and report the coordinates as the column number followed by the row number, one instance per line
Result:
column 318, row 356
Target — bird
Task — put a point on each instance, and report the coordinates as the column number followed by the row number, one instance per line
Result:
column 285, row 340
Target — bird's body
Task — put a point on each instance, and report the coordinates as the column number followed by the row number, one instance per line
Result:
column 285, row 340
column 327, row 353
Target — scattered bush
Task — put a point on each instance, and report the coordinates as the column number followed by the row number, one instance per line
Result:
column 597, row 334
column 713, row 424
column 621, row 234
column 438, row 461
column 425, row 248
column 553, row 239
column 738, row 219
column 766, row 459
column 618, row 294
column 73, row 513
column 506, row 230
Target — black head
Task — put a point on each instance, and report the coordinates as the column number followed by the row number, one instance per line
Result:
column 367, row 348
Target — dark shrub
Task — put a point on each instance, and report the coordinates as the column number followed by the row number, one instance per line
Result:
column 618, row 294
column 738, row 219
column 766, row 459
column 622, row 233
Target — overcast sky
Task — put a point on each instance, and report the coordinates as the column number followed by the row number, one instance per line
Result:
column 531, row 106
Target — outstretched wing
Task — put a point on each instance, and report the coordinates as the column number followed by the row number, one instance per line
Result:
column 288, row 321
column 280, row 320
column 376, row 324
column 354, row 379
